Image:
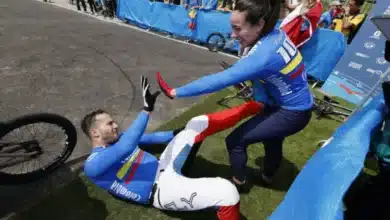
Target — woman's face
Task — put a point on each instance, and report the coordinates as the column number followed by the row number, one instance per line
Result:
column 244, row 31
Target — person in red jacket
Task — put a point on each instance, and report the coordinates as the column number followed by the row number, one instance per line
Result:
column 301, row 23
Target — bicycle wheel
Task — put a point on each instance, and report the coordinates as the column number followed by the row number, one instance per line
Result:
column 215, row 42
column 22, row 152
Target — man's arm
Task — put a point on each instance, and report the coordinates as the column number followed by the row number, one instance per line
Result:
column 161, row 137
column 99, row 162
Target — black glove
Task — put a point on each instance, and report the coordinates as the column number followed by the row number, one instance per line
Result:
column 149, row 99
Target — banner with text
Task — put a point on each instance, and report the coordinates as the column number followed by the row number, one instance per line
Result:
column 363, row 62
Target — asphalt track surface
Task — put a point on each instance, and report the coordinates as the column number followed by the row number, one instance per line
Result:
column 59, row 61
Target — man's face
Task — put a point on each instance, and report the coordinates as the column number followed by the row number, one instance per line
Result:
column 353, row 8
column 105, row 129
column 335, row 10
column 243, row 31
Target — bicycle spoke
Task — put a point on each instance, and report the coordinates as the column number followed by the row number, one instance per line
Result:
column 46, row 139
column 14, row 134
column 22, row 167
column 6, row 160
column 44, row 136
column 34, row 146
column 39, row 161
column 29, row 128
column 49, row 153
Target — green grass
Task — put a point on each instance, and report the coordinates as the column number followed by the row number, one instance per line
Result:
column 81, row 200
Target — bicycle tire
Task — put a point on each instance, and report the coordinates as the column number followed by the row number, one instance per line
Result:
column 213, row 47
column 54, row 119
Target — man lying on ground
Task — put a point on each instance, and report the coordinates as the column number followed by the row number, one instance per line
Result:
column 118, row 165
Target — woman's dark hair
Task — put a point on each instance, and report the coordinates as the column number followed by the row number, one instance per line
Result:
column 260, row 9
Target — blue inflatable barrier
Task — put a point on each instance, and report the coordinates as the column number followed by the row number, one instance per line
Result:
column 318, row 190
column 212, row 21
column 320, row 54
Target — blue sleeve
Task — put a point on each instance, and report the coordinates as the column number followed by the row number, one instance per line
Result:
column 161, row 137
column 255, row 66
column 321, row 18
column 99, row 162
column 325, row 18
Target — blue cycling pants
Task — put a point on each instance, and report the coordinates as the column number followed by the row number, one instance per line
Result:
column 270, row 128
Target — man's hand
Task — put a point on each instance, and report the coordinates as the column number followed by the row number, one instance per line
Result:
column 149, row 99
column 168, row 91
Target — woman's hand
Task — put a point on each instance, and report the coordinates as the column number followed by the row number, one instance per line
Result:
column 167, row 90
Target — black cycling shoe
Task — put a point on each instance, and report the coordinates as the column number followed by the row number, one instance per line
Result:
column 243, row 187
column 264, row 180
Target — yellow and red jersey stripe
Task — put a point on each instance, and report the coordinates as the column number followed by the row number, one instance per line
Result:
column 130, row 166
column 295, row 67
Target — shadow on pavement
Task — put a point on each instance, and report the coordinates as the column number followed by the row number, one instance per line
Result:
column 19, row 197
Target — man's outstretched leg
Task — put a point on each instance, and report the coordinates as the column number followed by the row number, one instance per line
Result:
column 209, row 124
column 177, row 192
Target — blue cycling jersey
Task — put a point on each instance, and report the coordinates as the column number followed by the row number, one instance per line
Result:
column 123, row 168
column 275, row 62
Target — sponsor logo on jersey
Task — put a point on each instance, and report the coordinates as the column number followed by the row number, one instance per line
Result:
column 120, row 189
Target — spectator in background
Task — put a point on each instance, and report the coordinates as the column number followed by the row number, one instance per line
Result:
column 351, row 21
column 338, row 10
column 100, row 5
column 287, row 7
column 111, row 8
column 226, row 5
column 192, row 4
column 114, row 6
column 82, row 3
column 302, row 22
column 92, row 6
column 335, row 10
column 209, row 4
